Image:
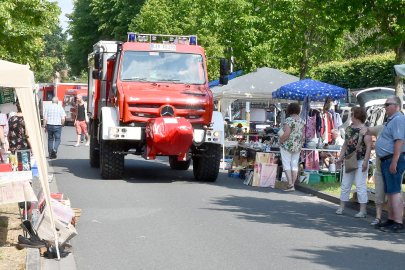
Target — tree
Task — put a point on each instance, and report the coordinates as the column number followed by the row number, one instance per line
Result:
column 387, row 20
column 52, row 59
column 96, row 20
column 23, row 24
column 83, row 29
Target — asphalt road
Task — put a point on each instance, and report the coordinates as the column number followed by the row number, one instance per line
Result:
column 157, row 218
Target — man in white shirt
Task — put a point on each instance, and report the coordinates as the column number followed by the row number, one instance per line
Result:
column 54, row 119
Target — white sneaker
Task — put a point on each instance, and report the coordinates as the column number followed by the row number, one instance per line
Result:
column 375, row 222
column 360, row 215
column 77, row 144
column 339, row 211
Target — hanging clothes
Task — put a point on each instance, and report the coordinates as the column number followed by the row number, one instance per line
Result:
column 310, row 130
column 327, row 126
column 311, row 158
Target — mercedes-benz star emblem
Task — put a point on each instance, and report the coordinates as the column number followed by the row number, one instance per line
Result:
column 167, row 111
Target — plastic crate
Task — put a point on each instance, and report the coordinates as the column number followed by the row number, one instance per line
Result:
column 328, row 178
column 314, row 178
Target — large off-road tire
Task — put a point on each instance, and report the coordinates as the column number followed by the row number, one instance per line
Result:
column 206, row 162
column 111, row 163
column 94, row 146
column 179, row 165
column 94, row 153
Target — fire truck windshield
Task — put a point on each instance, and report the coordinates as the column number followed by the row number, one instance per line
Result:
column 162, row 67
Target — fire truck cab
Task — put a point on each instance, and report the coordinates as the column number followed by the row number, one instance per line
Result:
column 149, row 96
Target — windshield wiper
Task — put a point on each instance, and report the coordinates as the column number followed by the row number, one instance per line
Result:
column 169, row 80
column 136, row 79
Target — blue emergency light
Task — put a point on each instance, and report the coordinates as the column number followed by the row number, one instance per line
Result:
column 193, row 40
column 156, row 38
column 131, row 37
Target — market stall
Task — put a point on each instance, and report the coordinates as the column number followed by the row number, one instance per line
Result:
column 256, row 86
column 259, row 161
column 21, row 78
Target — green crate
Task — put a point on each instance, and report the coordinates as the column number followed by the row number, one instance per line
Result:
column 314, row 178
column 328, row 178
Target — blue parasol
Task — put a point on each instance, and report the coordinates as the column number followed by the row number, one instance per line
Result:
column 316, row 90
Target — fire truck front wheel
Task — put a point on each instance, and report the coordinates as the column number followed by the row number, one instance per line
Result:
column 179, row 165
column 94, row 153
column 206, row 162
column 111, row 163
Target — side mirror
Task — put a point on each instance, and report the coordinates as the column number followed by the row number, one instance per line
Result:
column 95, row 74
column 223, row 67
column 223, row 79
column 223, row 71
column 97, row 60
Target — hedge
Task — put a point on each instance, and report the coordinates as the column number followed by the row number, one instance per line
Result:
column 363, row 72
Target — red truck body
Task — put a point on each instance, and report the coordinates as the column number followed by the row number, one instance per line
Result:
column 70, row 102
column 152, row 98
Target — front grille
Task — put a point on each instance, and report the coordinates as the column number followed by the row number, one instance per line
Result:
column 189, row 107
column 144, row 111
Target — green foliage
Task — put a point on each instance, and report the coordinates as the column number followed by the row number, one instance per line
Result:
column 52, row 59
column 24, row 24
column 299, row 34
column 84, row 31
column 363, row 72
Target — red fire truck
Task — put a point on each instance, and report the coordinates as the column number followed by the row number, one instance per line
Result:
column 70, row 102
column 149, row 96
column 46, row 91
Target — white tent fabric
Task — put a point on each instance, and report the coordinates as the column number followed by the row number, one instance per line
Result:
column 21, row 78
column 257, row 85
column 400, row 70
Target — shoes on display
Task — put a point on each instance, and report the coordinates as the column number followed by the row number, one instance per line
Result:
column 360, row 215
column 376, row 222
column 394, row 228
column 26, row 225
column 29, row 243
column 339, row 211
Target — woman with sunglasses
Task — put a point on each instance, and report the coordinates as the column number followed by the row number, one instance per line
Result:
column 359, row 175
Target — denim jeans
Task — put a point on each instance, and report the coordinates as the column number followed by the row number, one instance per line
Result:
column 392, row 182
column 54, row 133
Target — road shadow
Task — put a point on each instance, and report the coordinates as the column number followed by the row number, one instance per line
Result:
column 308, row 215
column 353, row 257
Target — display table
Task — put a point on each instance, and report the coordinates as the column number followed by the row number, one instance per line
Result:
column 310, row 153
column 15, row 187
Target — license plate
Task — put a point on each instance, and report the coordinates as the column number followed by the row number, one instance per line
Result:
column 162, row 47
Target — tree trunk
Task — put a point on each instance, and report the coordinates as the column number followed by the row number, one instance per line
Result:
column 399, row 59
column 304, row 64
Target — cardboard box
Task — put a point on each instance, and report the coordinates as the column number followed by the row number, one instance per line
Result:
column 281, row 184
column 45, row 231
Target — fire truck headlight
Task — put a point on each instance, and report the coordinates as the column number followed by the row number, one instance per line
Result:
column 216, row 134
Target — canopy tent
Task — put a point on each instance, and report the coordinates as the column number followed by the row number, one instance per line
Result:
column 21, row 78
column 316, row 90
column 257, row 85
column 400, row 70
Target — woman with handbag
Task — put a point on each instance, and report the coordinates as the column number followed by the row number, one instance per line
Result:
column 291, row 139
column 355, row 153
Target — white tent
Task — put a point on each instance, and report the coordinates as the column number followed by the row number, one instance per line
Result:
column 21, row 78
column 257, row 85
